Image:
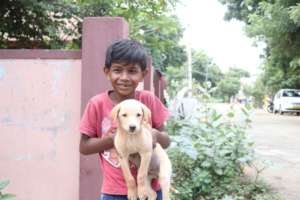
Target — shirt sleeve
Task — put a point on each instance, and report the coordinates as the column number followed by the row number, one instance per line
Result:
column 160, row 113
column 88, row 123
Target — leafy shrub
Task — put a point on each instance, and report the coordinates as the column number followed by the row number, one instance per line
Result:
column 209, row 152
column 3, row 184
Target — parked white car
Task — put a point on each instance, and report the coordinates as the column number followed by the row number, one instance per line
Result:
column 287, row 100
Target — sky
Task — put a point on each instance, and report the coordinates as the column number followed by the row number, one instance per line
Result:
column 225, row 42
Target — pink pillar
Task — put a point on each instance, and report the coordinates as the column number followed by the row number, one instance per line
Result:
column 98, row 34
column 148, row 80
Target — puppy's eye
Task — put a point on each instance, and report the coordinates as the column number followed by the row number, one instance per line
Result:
column 138, row 115
column 124, row 115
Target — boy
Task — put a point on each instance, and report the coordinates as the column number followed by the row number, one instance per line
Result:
column 125, row 67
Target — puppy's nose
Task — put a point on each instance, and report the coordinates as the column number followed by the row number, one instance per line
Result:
column 132, row 128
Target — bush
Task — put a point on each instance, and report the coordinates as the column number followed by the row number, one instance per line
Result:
column 209, row 152
column 3, row 184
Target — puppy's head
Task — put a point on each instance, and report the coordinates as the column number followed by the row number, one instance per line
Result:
column 130, row 115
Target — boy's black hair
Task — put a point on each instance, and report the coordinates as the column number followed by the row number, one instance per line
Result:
column 126, row 52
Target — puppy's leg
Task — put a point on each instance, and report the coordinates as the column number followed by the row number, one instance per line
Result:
column 165, row 186
column 151, row 193
column 130, row 181
column 165, row 172
column 142, row 175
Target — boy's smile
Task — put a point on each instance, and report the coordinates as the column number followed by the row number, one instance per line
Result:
column 124, row 79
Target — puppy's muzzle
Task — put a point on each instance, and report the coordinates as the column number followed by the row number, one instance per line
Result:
column 132, row 128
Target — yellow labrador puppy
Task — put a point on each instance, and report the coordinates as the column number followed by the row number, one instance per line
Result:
column 134, row 135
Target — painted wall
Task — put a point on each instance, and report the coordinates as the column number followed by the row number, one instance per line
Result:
column 39, row 115
column 42, row 95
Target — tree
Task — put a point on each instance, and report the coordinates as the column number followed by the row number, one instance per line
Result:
column 34, row 23
column 238, row 73
column 257, row 91
column 161, row 35
column 277, row 24
column 228, row 87
column 150, row 23
column 204, row 69
column 230, row 84
column 58, row 24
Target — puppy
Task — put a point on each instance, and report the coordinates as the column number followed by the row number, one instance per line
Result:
column 134, row 135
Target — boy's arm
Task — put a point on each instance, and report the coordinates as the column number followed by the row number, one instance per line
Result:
column 89, row 145
column 161, row 137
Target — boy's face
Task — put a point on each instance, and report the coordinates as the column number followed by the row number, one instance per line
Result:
column 125, row 78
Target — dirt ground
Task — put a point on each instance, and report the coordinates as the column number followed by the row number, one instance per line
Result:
column 277, row 143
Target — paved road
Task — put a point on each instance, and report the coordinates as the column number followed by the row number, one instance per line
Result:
column 277, row 140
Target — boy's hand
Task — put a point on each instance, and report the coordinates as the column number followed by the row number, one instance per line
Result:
column 155, row 132
column 112, row 134
column 154, row 166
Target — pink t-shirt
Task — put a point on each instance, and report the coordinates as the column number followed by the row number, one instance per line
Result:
column 96, row 122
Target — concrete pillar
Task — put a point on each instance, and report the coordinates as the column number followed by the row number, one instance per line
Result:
column 148, row 80
column 98, row 34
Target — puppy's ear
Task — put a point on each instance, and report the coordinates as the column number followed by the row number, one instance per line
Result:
column 146, row 114
column 115, row 112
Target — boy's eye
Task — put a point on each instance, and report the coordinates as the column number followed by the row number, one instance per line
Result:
column 117, row 70
column 124, row 115
column 138, row 115
column 132, row 71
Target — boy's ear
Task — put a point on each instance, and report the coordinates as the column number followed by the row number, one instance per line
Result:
column 115, row 112
column 106, row 71
column 146, row 114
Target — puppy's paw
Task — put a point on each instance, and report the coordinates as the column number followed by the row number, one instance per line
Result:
column 144, row 193
column 152, row 195
column 132, row 194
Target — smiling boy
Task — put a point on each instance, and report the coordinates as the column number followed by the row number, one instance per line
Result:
column 125, row 67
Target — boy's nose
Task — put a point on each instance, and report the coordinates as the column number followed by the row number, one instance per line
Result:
column 124, row 76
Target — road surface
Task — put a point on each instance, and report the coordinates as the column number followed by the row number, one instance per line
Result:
column 277, row 141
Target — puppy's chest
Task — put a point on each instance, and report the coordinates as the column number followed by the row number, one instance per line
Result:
column 135, row 143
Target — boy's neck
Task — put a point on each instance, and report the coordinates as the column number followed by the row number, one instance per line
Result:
column 117, row 99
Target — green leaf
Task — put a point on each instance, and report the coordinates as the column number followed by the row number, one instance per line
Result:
column 3, row 184
column 7, row 196
column 206, row 164
column 228, row 198
column 245, row 111
column 217, row 117
column 219, row 171
column 230, row 114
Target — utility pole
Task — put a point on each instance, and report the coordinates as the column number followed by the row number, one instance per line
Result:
column 189, row 59
column 189, row 71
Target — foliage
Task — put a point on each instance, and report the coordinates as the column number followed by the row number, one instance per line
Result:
column 230, row 84
column 150, row 23
column 161, row 35
column 34, row 23
column 277, row 24
column 237, row 72
column 176, row 79
column 58, row 24
column 3, row 184
column 204, row 69
column 256, row 92
column 209, row 153
column 228, row 87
